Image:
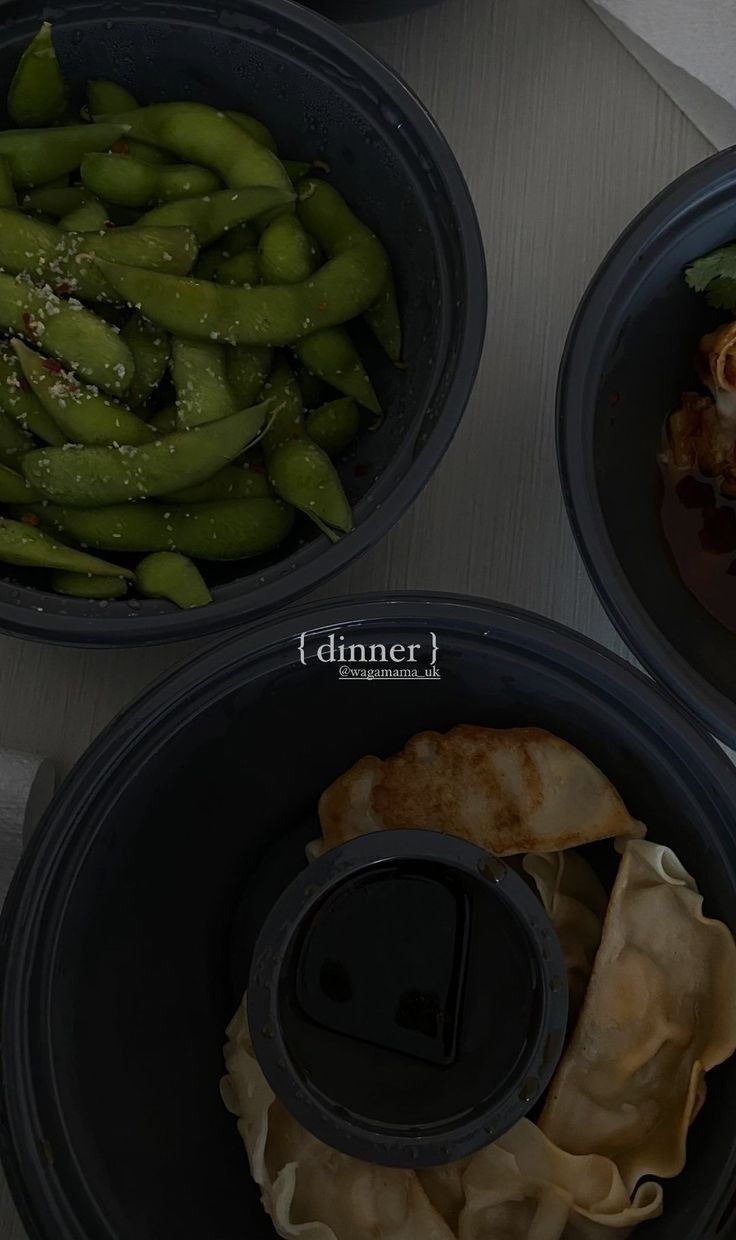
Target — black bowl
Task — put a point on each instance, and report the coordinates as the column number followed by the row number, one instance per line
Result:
column 322, row 95
column 628, row 357
column 366, row 10
column 124, row 938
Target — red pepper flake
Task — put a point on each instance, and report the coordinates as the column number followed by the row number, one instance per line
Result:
column 361, row 470
column 322, row 305
column 120, row 147
column 30, row 518
column 257, row 469
column 29, row 323
column 63, row 288
column 23, row 384
column 110, row 224
column 50, row 363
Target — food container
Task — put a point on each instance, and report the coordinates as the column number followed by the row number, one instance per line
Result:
column 367, row 10
column 628, row 358
column 122, row 938
column 320, row 93
column 414, row 1057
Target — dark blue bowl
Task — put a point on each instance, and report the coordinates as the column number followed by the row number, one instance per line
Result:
column 628, row 357
column 322, row 95
column 123, row 942
column 366, row 10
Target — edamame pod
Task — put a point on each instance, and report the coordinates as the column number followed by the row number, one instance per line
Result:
column 224, row 530
column 85, row 585
column 199, row 134
column 326, row 215
column 248, row 367
column 66, row 331
column 232, row 482
column 129, row 182
column 242, row 270
column 199, row 371
column 7, row 191
column 58, row 200
column 334, row 425
column 14, row 442
column 83, row 414
column 89, row 216
column 240, row 238
column 256, row 130
column 66, row 260
column 288, row 421
column 29, row 547
column 271, row 315
column 170, row 575
column 214, row 214
column 18, row 401
column 37, row 94
column 90, row 477
column 296, row 169
column 332, row 356
column 304, row 476
column 151, row 349
column 14, row 489
column 288, row 254
column 165, row 420
column 104, row 96
column 37, row 156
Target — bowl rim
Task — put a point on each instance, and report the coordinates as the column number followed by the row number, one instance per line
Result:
column 39, row 1197
column 174, row 625
column 577, row 385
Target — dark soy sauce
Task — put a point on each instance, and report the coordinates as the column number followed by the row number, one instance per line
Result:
column 413, row 996
column 699, row 525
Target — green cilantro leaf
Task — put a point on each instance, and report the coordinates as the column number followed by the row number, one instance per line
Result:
column 719, row 264
column 721, row 293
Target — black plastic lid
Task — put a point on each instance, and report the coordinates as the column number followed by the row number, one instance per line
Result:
column 408, row 998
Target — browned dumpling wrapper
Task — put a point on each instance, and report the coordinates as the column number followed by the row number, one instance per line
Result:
column 702, row 438
column 716, row 362
column 509, row 790
column 659, row 1013
column 523, row 1186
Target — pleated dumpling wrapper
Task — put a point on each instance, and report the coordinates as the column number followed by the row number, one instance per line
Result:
column 524, row 1188
column 576, row 903
column 509, row 790
column 660, row 1011
column 311, row 1191
column 716, row 361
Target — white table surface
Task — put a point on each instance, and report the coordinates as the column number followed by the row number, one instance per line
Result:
column 562, row 137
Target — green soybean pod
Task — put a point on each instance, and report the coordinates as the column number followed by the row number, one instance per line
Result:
column 242, row 269
column 203, row 393
column 288, row 421
column 248, row 368
column 332, row 356
column 304, row 477
column 14, row 442
column 7, row 191
column 231, row 482
column 58, row 200
column 233, row 243
column 212, row 216
column 287, row 253
column 88, row 585
column 89, row 216
column 37, row 94
column 173, row 576
column 165, row 420
column 103, row 96
column 90, row 477
column 18, row 400
column 151, row 349
column 222, row 530
column 202, row 135
column 38, row 156
column 296, row 169
column 83, row 414
column 257, row 131
column 66, row 331
column 29, row 547
column 334, row 425
column 14, row 489
column 129, row 182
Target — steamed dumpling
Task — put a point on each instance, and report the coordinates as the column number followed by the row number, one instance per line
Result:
column 576, row 902
column 660, row 1011
column 509, row 790
column 717, row 366
column 523, row 1188
column 311, row 1191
